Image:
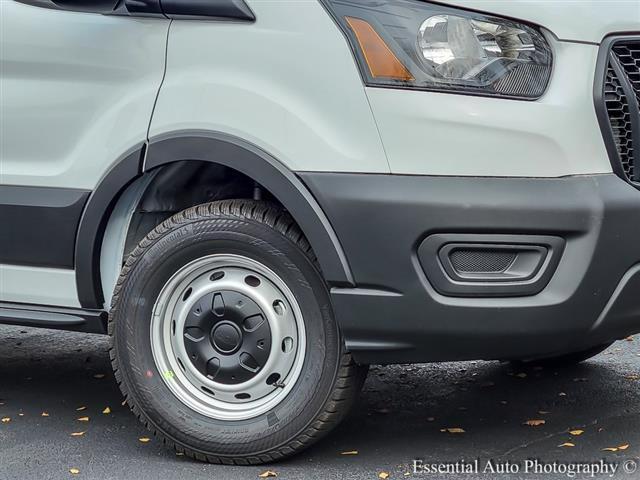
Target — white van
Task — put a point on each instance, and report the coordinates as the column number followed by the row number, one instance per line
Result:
column 257, row 199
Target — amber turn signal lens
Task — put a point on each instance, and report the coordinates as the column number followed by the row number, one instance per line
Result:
column 380, row 59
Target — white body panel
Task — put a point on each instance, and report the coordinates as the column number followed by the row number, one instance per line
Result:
column 583, row 21
column 299, row 96
column 287, row 83
column 41, row 286
column 446, row 134
column 77, row 92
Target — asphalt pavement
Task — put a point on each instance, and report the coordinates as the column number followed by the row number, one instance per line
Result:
column 439, row 414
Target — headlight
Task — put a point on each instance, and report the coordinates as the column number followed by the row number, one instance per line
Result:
column 415, row 44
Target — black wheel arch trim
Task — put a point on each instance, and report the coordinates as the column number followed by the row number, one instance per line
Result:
column 214, row 147
column 94, row 222
column 257, row 164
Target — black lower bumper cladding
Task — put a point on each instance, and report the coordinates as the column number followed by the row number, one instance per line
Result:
column 396, row 315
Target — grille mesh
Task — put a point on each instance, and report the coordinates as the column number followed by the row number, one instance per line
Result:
column 620, row 119
column 629, row 57
column 621, row 97
column 481, row 261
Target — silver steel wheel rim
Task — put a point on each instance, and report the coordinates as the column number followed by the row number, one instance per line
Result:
column 173, row 309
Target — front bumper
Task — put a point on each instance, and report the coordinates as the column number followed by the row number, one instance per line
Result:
column 395, row 314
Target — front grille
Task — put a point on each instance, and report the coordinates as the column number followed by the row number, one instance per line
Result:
column 619, row 97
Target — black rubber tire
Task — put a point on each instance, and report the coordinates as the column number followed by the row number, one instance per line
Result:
column 567, row 360
column 328, row 384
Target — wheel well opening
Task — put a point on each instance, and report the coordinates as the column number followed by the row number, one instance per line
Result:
column 126, row 206
column 183, row 184
column 170, row 188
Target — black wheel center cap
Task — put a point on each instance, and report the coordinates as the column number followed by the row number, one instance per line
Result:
column 226, row 337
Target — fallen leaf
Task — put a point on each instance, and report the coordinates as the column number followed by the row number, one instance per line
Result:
column 454, row 430
column 144, row 439
column 567, row 445
column 521, row 375
column 6, row 419
column 44, row 414
column 83, row 419
column 106, row 411
column 535, row 423
column 632, row 377
column 268, row 474
column 78, row 434
column 383, row 475
column 615, row 449
column 562, row 394
column 21, row 414
column 576, row 433
column 350, row 452
column 74, row 471
column 99, row 375
column 629, row 339
column 79, row 409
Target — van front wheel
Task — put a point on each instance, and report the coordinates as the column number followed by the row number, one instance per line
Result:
column 223, row 338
